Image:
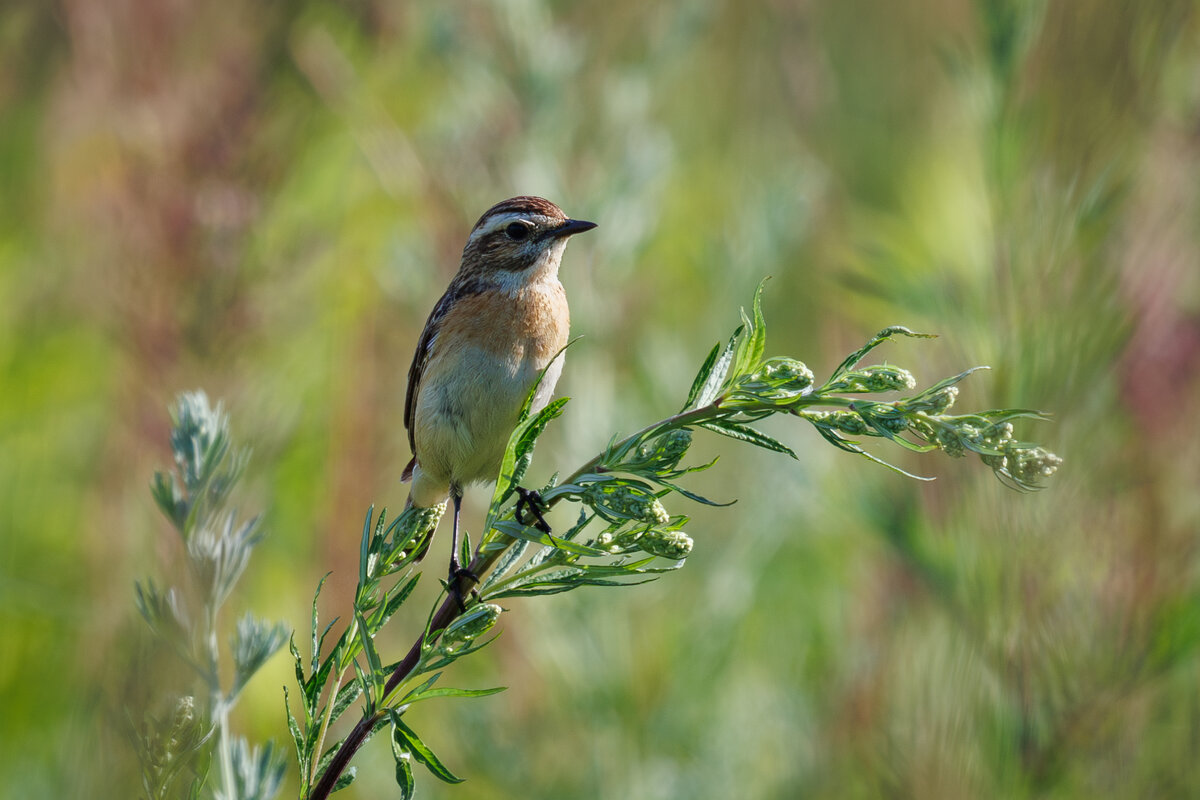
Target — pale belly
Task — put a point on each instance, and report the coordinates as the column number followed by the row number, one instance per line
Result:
column 464, row 417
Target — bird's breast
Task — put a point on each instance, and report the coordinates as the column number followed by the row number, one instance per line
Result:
column 487, row 355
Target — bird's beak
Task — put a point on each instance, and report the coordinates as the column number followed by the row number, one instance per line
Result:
column 572, row 227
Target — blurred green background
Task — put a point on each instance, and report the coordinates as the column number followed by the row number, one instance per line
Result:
column 265, row 199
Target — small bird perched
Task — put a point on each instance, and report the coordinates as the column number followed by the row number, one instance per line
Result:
column 500, row 323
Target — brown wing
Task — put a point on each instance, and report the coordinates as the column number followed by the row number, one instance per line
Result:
column 456, row 292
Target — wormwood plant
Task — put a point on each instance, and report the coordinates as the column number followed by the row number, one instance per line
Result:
column 623, row 535
column 176, row 747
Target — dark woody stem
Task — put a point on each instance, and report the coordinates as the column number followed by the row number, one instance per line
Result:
column 480, row 564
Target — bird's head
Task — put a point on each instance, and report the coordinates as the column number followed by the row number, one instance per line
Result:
column 519, row 241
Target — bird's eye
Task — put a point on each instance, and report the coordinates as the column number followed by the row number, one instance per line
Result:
column 517, row 231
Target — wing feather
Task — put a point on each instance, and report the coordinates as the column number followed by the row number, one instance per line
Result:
column 425, row 350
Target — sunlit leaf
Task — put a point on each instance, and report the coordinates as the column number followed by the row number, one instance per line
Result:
column 404, row 739
column 702, row 376
column 747, row 434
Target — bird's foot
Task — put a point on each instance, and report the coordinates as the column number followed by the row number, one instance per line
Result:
column 530, row 499
column 454, row 583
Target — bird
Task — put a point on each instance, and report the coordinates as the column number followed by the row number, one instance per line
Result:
column 501, row 323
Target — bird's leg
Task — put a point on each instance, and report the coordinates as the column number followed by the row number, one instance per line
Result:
column 531, row 499
column 457, row 570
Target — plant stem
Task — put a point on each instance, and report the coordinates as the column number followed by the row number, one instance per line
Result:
column 337, row 684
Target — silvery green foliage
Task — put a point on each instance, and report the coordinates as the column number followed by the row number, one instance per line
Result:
column 176, row 756
column 625, row 532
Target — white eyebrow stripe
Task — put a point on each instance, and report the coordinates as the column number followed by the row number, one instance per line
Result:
column 495, row 223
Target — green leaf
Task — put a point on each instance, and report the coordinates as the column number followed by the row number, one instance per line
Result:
column 368, row 645
column 316, row 643
column 689, row 494
column 368, row 687
column 295, row 651
column 316, row 684
column 952, row 380
column 745, row 433
column 568, row 578
column 405, row 740
column 364, row 551
column 512, row 554
column 302, row 755
column 324, row 633
column 404, row 773
column 836, row 440
column 852, row 447
column 716, row 377
column 702, row 376
column 345, row 780
column 327, row 757
column 754, row 340
column 424, row 687
column 516, row 530
column 395, row 601
column 541, row 588
column 450, row 692
column 344, row 698
column 518, row 455
column 884, row 335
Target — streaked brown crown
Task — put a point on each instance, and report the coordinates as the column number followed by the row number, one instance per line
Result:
column 525, row 204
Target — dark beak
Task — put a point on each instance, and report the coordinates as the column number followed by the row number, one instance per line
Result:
column 572, row 227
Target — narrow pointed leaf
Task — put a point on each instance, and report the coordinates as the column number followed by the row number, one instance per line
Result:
column 702, row 376
column 451, row 692
column 364, row 550
column 405, row 739
column 716, row 376
column 345, row 780
column 518, row 531
column 690, row 495
column 297, row 736
column 344, row 698
column 506, row 563
column 884, row 335
column 519, row 453
column 745, row 433
column 404, row 773
column 395, row 601
column 754, row 338
column 316, row 643
column 424, row 687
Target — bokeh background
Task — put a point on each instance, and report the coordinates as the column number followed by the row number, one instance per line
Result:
column 265, row 199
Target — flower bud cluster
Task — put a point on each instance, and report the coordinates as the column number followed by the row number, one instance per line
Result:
column 413, row 532
column 777, row 379
column 1025, row 464
column 662, row 453
column 936, row 402
column 785, row 374
column 844, row 421
column 624, row 500
column 674, row 545
column 469, row 627
column 878, row 378
column 619, row 543
column 882, row 416
column 957, row 438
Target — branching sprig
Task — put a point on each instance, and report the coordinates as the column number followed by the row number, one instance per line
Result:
column 624, row 533
column 176, row 750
